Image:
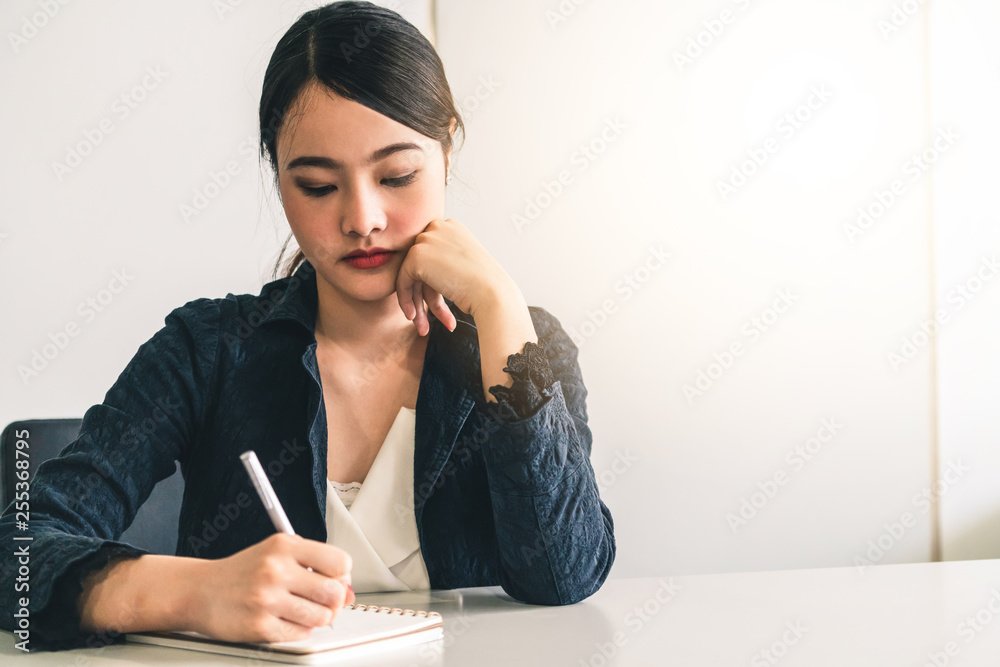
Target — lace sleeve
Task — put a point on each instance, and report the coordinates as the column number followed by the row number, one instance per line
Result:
column 532, row 378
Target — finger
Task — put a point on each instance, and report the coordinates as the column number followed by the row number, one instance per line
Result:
column 301, row 611
column 441, row 310
column 420, row 319
column 287, row 631
column 324, row 558
column 404, row 294
column 319, row 599
column 323, row 590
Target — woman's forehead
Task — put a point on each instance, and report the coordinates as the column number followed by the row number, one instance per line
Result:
column 329, row 123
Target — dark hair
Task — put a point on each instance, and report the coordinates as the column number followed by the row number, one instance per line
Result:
column 364, row 53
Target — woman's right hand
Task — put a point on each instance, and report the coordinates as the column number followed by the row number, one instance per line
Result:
column 265, row 593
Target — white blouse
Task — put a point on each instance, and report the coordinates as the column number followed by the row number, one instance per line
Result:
column 374, row 521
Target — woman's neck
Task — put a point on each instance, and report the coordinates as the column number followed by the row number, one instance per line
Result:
column 354, row 324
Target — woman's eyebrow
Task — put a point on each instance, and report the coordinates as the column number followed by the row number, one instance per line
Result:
column 330, row 163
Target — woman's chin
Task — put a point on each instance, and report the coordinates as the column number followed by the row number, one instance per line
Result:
column 372, row 292
column 363, row 286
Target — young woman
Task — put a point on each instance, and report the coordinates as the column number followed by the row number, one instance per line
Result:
column 422, row 426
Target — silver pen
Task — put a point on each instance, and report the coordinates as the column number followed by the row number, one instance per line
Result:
column 266, row 492
column 267, row 495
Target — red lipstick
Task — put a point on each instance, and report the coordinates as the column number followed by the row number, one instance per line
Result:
column 371, row 258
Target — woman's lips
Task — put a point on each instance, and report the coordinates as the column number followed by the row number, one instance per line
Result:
column 369, row 261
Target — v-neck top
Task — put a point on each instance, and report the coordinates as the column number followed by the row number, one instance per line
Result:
column 374, row 521
column 346, row 491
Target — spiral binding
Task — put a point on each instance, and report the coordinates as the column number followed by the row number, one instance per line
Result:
column 392, row 610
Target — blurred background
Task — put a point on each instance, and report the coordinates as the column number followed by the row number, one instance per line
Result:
column 769, row 225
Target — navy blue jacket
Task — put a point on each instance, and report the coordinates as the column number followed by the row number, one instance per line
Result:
column 504, row 494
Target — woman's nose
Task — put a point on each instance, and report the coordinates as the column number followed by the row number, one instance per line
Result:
column 363, row 210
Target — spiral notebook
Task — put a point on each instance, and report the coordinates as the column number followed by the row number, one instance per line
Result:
column 358, row 630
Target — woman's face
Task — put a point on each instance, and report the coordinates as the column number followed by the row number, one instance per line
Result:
column 353, row 179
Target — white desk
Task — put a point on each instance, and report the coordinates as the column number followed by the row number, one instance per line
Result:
column 888, row 615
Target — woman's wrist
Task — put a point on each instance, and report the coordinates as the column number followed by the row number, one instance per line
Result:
column 185, row 604
column 495, row 298
column 505, row 326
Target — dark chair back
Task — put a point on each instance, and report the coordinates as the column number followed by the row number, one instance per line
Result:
column 155, row 526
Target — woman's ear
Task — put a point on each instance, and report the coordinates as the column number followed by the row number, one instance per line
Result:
column 447, row 156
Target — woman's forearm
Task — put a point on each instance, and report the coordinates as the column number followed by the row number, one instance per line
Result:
column 152, row 592
column 504, row 327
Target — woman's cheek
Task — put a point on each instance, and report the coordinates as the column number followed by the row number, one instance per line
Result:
column 302, row 216
column 415, row 221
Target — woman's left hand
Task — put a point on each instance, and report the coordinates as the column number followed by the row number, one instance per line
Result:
column 447, row 261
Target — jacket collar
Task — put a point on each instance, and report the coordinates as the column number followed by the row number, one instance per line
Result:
column 293, row 298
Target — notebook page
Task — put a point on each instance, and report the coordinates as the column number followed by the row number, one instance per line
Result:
column 354, row 626
column 350, row 627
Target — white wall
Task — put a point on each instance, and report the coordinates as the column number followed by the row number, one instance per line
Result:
column 688, row 126
column 533, row 94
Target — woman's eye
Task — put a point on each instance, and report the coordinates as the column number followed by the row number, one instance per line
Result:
column 391, row 182
column 317, row 192
column 401, row 181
